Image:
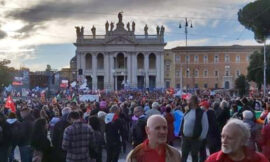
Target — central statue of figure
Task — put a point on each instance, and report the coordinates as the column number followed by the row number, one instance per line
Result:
column 120, row 17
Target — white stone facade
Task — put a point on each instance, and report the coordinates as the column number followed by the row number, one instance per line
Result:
column 120, row 58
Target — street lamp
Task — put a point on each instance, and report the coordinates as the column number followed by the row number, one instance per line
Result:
column 186, row 27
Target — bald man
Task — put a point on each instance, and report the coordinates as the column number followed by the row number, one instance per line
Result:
column 155, row 147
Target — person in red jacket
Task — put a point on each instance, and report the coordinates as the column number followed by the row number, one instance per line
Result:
column 234, row 138
column 265, row 143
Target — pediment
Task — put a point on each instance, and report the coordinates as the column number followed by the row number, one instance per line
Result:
column 120, row 40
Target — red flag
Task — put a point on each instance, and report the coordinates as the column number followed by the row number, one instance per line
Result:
column 10, row 104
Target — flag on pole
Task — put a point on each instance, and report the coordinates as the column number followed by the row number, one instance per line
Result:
column 10, row 104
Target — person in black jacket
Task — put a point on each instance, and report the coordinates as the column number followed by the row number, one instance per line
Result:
column 114, row 130
column 5, row 138
column 57, row 136
column 15, row 130
column 40, row 141
column 138, row 132
column 26, row 151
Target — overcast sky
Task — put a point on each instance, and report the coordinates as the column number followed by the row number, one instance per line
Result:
column 34, row 33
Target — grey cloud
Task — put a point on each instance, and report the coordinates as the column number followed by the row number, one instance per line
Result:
column 46, row 11
column 2, row 34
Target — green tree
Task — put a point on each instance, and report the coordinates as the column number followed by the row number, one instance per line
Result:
column 241, row 85
column 255, row 17
column 6, row 74
column 255, row 68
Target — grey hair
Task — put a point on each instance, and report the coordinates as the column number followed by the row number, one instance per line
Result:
column 242, row 127
column 66, row 110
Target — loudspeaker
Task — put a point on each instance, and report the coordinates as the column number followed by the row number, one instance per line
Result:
column 80, row 71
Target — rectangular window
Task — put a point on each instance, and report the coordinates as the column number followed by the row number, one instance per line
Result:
column 205, row 73
column 196, row 59
column 187, row 59
column 237, row 59
column 196, row 73
column 196, row 86
column 216, row 59
column 187, row 73
column 177, row 59
column 247, row 58
column 178, row 85
column 238, row 73
column 216, row 73
column 205, row 59
column 227, row 73
column 205, row 85
column 167, row 67
column 227, row 58
column 216, row 85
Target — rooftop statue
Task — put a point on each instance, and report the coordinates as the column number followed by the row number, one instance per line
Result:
column 107, row 27
column 133, row 26
column 128, row 26
column 158, row 30
column 146, row 30
column 120, row 17
column 93, row 29
column 112, row 26
column 162, row 30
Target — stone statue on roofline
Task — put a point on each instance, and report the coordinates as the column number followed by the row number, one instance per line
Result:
column 120, row 17
column 162, row 30
column 78, row 32
column 128, row 26
column 107, row 27
column 112, row 26
column 82, row 31
column 145, row 30
column 133, row 26
column 93, row 29
column 158, row 30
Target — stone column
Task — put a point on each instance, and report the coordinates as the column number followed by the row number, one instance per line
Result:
column 158, row 68
column 134, row 70
column 111, row 71
column 107, row 71
column 162, row 70
column 94, row 71
column 129, row 69
column 146, row 69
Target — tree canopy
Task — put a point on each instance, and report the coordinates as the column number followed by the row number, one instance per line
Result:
column 255, row 17
column 241, row 85
column 255, row 68
column 6, row 74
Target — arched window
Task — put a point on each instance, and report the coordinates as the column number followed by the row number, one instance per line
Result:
column 100, row 61
column 152, row 61
column 88, row 61
column 120, row 61
column 140, row 61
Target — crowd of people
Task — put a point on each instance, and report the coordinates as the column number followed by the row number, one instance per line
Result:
column 151, row 122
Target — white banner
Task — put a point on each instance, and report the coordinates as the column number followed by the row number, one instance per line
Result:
column 89, row 98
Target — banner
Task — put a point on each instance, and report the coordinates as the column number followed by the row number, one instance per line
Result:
column 89, row 98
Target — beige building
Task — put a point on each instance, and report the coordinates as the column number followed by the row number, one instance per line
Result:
column 206, row 66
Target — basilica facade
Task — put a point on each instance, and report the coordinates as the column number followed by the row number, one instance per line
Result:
column 119, row 58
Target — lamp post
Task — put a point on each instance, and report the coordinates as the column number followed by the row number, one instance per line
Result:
column 186, row 27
